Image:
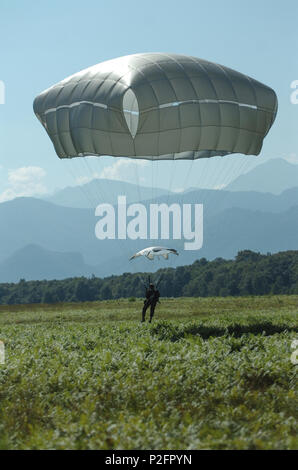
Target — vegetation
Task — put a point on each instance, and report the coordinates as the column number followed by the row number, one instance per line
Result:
column 249, row 274
column 209, row 373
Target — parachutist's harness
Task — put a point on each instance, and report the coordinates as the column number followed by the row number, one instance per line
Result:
column 147, row 284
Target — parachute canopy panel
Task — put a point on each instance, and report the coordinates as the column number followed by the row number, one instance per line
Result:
column 157, row 106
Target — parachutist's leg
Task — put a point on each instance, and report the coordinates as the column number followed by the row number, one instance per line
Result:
column 152, row 308
column 144, row 311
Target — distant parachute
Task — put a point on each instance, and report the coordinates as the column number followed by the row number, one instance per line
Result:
column 157, row 106
column 155, row 251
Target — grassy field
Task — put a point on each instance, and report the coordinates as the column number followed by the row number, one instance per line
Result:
column 207, row 374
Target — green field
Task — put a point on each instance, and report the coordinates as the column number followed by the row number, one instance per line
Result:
column 212, row 373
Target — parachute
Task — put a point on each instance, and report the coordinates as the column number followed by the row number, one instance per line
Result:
column 154, row 251
column 157, row 106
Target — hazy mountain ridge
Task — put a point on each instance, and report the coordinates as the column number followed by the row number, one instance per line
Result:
column 26, row 221
column 43, row 239
column 98, row 191
column 65, row 244
column 35, row 262
column 274, row 176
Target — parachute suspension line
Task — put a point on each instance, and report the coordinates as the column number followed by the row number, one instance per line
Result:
column 217, row 185
column 229, row 169
column 208, row 194
column 95, row 175
column 213, row 202
column 245, row 162
column 103, row 197
column 204, row 163
column 142, row 191
column 185, row 183
column 135, row 184
column 248, row 164
column 144, row 278
column 233, row 170
column 243, row 167
column 152, row 178
column 172, row 173
column 123, row 183
column 197, row 171
column 158, row 280
column 143, row 281
column 155, row 172
column 157, row 179
column 159, row 166
column 80, row 186
column 155, row 269
column 217, row 175
column 202, row 173
column 155, row 169
column 187, row 174
column 171, row 180
column 98, row 189
column 84, row 180
column 101, row 191
column 137, row 180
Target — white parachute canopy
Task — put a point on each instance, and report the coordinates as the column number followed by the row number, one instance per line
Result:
column 153, row 251
column 157, row 106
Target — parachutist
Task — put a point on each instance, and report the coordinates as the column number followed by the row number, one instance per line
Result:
column 152, row 297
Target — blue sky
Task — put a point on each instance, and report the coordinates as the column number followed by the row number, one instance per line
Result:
column 43, row 42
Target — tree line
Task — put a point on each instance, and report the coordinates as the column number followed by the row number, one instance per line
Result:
column 249, row 273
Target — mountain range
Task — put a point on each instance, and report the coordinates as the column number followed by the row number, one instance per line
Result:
column 44, row 239
column 273, row 176
column 40, row 240
column 90, row 194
